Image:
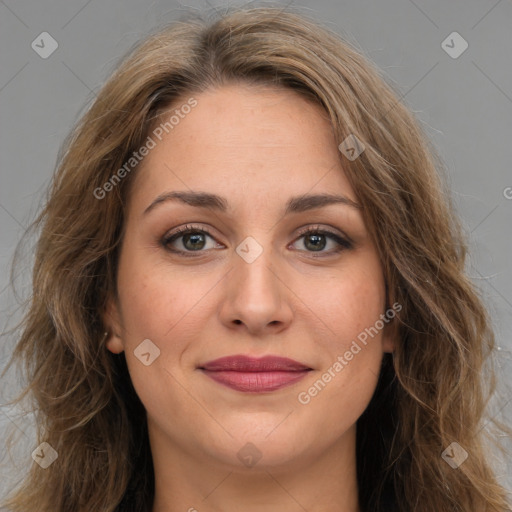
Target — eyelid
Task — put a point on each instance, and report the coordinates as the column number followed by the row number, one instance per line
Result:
column 319, row 228
column 185, row 229
column 174, row 234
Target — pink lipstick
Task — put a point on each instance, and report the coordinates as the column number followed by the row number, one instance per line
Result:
column 253, row 375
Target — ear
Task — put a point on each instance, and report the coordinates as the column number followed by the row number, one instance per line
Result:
column 112, row 321
column 391, row 329
column 389, row 336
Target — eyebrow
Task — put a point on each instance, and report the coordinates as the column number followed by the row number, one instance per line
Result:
column 294, row 205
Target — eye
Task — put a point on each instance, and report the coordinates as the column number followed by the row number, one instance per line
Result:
column 188, row 239
column 316, row 239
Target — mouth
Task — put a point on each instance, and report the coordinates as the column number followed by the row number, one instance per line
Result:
column 255, row 375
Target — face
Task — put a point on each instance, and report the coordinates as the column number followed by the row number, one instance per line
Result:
column 261, row 270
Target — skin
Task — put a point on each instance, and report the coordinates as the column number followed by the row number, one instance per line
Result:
column 256, row 147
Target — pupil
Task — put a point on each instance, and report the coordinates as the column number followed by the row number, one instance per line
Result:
column 196, row 238
column 318, row 242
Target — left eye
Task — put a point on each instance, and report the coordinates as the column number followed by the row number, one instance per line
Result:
column 316, row 240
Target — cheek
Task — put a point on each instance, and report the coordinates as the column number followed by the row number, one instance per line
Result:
column 151, row 312
column 344, row 304
column 350, row 335
column 169, row 308
column 158, row 301
column 160, row 307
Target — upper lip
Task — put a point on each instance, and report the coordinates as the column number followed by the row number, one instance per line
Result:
column 243, row 363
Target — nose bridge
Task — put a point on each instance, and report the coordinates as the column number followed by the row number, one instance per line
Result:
column 256, row 295
column 254, row 265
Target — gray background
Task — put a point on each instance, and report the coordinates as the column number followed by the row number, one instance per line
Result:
column 464, row 103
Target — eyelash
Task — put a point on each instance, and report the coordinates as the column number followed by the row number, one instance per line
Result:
column 343, row 243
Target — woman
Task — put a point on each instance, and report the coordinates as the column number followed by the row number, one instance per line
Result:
column 249, row 291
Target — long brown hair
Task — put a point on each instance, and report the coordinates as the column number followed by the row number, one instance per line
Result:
column 432, row 390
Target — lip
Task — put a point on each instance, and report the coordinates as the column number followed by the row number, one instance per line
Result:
column 255, row 375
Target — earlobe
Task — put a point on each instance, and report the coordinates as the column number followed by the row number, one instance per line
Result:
column 388, row 344
column 391, row 330
column 111, row 321
column 389, row 336
column 114, row 343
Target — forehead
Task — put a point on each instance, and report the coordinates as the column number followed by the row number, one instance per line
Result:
column 259, row 142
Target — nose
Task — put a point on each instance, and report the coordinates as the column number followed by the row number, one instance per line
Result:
column 257, row 297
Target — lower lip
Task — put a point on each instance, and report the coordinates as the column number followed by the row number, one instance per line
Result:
column 256, row 382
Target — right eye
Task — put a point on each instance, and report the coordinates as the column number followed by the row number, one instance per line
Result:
column 190, row 238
